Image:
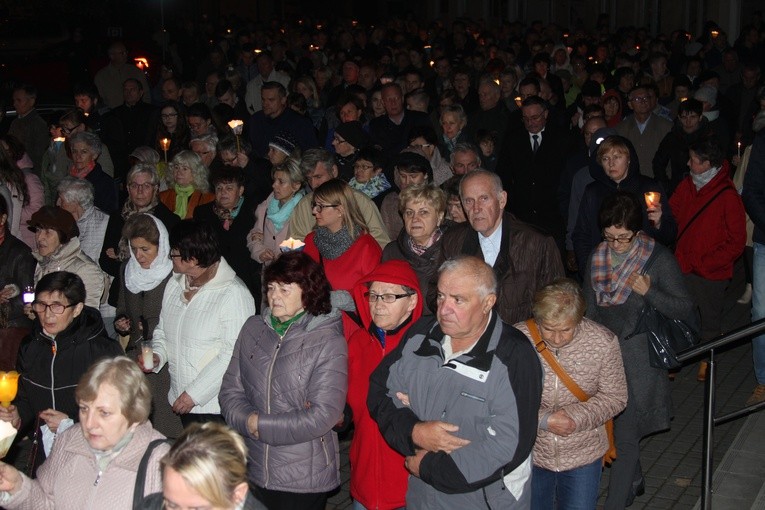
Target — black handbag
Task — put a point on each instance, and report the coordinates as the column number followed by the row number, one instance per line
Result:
column 665, row 337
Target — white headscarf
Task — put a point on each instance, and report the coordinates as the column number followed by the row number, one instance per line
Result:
column 138, row 279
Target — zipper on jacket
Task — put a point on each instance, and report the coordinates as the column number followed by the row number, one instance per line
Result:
column 326, row 454
column 268, row 401
column 98, row 479
column 54, row 350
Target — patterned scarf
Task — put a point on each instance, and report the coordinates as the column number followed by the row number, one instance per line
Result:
column 81, row 174
column 182, row 196
column 610, row 283
column 420, row 250
column 373, row 187
column 130, row 209
column 332, row 246
column 227, row 216
column 280, row 214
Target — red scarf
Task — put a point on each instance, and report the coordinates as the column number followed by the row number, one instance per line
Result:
column 81, row 174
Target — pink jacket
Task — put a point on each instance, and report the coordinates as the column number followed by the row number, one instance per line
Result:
column 592, row 359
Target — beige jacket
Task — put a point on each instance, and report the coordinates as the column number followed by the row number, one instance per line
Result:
column 69, row 257
column 593, row 359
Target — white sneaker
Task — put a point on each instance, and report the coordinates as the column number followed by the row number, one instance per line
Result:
column 746, row 297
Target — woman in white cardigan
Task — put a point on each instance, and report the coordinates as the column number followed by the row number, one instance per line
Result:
column 204, row 307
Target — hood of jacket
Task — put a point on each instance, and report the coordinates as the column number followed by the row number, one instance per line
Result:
column 84, row 328
column 398, row 272
column 633, row 172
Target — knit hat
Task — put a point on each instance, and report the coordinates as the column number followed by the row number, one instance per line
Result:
column 283, row 142
column 706, row 94
column 353, row 133
column 57, row 219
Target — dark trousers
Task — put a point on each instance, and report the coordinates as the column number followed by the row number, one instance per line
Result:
column 188, row 419
column 280, row 500
column 708, row 295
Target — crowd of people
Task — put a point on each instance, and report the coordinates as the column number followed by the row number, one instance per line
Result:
column 442, row 237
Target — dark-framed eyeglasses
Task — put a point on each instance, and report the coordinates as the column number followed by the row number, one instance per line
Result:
column 56, row 308
column 386, row 298
column 321, row 207
column 620, row 240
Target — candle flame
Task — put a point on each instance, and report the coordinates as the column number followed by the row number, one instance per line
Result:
column 165, row 144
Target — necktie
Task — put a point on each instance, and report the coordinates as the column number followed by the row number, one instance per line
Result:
column 535, row 145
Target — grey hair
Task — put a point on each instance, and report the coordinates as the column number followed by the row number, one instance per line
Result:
column 468, row 265
column 291, row 167
column 455, row 109
column 90, row 139
column 145, row 154
column 199, row 172
column 313, row 157
column 496, row 181
column 143, row 168
column 76, row 190
column 466, row 147
column 210, row 140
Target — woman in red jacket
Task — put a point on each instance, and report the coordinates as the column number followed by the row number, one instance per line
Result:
column 388, row 301
column 711, row 233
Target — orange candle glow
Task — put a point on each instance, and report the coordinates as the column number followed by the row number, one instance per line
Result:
column 9, row 385
column 652, row 198
column 165, row 144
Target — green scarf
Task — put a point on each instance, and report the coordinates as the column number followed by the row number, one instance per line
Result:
column 281, row 327
column 182, row 196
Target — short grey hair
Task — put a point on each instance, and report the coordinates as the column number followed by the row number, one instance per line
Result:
column 463, row 147
column 496, row 181
column 313, row 157
column 468, row 265
column 143, row 168
column 455, row 109
column 210, row 140
column 78, row 191
column 90, row 139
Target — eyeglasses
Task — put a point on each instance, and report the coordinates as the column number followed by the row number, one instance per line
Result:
column 619, row 240
column 134, row 186
column 67, row 130
column 420, row 145
column 172, row 255
column 56, row 308
column 640, row 99
column 386, row 298
column 321, row 207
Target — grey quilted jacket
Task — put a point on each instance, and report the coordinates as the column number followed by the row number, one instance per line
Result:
column 297, row 384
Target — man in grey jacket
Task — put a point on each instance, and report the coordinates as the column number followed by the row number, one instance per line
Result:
column 459, row 398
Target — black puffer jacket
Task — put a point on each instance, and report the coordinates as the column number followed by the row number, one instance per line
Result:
column 587, row 233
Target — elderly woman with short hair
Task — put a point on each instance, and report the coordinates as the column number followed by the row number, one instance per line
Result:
column 286, row 385
column 423, row 207
column 571, row 439
column 86, row 148
column 94, row 463
column 189, row 185
column 453, row 121
column 76, row 196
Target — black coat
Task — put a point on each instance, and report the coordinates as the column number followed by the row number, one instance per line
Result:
column 587, row 234
column 17, row 266
column 673, row 150
column 532, row 180
column 233, row 242
column 104, row 190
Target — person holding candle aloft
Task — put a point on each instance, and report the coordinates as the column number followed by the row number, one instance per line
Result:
column 712, row 224
column 66, row 339
column 616, row 168
column 143, row 278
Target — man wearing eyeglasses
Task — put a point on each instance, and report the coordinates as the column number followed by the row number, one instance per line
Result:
column 459, row 398
column 530, row 163
column 644, row 128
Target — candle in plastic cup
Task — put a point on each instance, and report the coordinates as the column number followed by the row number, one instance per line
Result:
column 147, row 354
column 9, row 385
column 652, row 198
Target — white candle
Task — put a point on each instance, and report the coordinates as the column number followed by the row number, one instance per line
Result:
column 148, row 356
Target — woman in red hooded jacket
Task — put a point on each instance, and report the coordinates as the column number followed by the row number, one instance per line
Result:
column 711, row 225
column 388, row 301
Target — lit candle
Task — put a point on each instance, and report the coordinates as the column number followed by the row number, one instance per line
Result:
column 236, row 127
column 738, row 145
column 9, row 385
column 59, row 139
column 147, row 354
column 652, row 198
column 518, row 101
column 165, row 144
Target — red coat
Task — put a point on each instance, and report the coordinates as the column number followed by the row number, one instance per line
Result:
column 378, row 476
column 717, row 237
column 357, row 261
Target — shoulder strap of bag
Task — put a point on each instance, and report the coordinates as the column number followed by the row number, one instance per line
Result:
column 545, row 352
column 140, row 477
column 698, row 213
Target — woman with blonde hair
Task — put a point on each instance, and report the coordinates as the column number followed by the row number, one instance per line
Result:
column 205, row 468
column 340, row 241
column 189, row 185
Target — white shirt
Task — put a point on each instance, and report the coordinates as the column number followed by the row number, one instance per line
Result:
column 490, row 245
column 539, row 138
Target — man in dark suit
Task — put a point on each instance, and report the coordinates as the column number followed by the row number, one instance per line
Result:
column 136, row 117
column 391, row 131
column 530, row 166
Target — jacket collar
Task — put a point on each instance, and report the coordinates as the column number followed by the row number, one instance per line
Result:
column 480, row 355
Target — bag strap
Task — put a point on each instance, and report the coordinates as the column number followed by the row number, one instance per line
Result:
column 698, row 213
column 548, row 356
column 140, row 477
